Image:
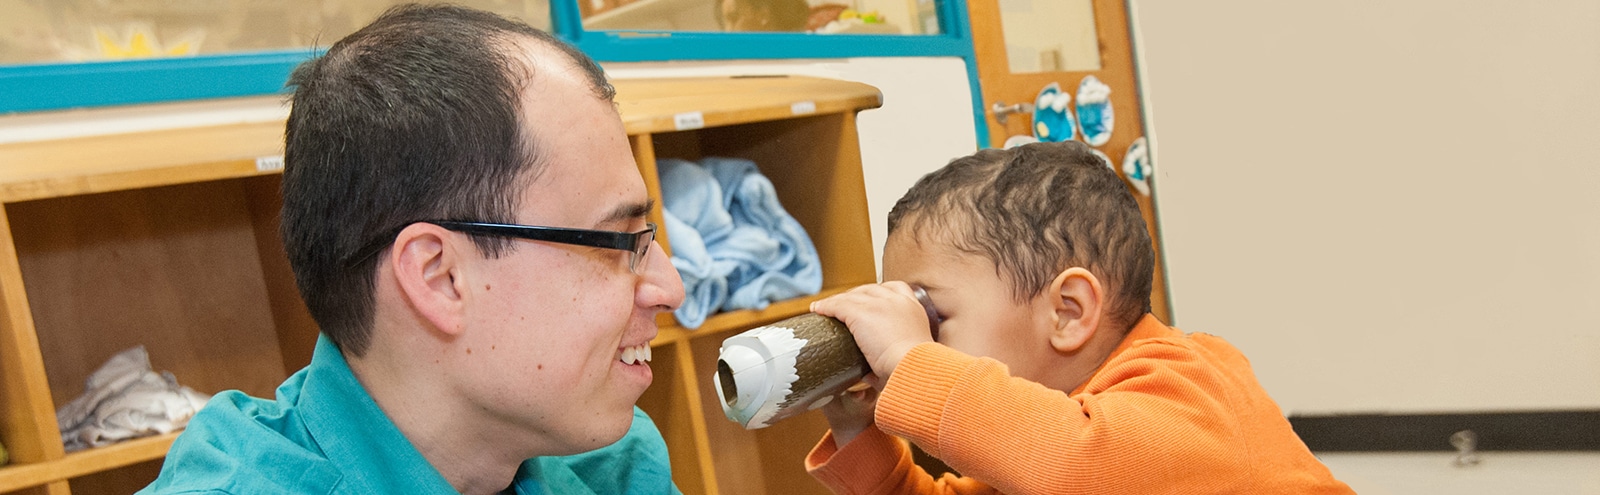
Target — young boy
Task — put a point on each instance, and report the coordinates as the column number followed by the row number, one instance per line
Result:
column 1049, row 375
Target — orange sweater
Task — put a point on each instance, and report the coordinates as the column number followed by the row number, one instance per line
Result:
column 1166, row 413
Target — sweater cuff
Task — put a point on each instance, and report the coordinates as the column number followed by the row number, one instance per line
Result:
column 912, row 403
column 871, row 455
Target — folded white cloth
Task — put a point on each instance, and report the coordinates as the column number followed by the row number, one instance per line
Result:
column 124, row 399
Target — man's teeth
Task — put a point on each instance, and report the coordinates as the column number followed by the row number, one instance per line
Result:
column 636, row 354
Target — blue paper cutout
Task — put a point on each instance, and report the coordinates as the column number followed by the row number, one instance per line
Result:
column 1052, row 115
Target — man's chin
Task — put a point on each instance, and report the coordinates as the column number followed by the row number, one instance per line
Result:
column 606, row 430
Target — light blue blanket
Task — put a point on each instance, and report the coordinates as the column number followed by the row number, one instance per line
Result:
column 732, row 241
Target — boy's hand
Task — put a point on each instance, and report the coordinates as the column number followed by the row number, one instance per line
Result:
column 886, row 320
column 852, row 411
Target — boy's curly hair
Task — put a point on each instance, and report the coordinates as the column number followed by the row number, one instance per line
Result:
column 1035, row 211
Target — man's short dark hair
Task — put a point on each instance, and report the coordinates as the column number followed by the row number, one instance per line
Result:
column 1034, row 211
column 413, row 117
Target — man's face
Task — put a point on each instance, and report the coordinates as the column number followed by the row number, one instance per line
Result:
column 551, row 321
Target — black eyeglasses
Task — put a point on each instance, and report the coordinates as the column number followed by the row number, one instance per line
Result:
column 637, row 244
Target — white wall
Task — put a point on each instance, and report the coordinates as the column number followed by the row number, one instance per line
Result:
column 925, row 120
column 1389, row 206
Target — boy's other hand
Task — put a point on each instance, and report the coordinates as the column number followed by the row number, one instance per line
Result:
column 852, row 411
column 886, row 320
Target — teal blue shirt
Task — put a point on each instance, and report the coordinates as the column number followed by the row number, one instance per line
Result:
column 325, row 435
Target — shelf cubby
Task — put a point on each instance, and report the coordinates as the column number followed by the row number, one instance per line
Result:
column 168, row 239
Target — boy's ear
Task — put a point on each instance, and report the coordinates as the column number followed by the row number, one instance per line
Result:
column 1079, row 303
column 427, row 267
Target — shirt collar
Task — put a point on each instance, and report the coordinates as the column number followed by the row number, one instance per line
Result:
column 1149, row 327
column 355, row 434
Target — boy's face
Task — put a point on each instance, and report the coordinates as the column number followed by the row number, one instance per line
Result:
column 981, row 318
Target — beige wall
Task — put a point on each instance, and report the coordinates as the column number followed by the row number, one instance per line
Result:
column 1388, row 205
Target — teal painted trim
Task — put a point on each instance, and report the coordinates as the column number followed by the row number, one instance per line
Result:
column 25, row 88
column 566, row 20
column 660, row 46
column 651, row 46
column 38, row 87
column 980, row 116
column 953, row 19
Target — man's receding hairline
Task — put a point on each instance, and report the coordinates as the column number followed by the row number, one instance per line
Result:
column 515, row 47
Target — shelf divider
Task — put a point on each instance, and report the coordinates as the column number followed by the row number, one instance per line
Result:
column 18, row 476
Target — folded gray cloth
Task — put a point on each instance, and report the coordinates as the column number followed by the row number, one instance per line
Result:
column 124, row 399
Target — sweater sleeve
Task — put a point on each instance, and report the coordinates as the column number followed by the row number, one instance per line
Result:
column 1151, row 419
column 875, row 463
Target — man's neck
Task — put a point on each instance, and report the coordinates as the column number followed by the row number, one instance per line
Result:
column 434, row 421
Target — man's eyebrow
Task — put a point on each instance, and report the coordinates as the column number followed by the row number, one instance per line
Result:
column 630, row 211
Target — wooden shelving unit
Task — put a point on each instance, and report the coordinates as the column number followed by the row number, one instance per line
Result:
column 169, row 239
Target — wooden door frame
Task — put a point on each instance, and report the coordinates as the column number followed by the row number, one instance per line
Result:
column 1114, row 34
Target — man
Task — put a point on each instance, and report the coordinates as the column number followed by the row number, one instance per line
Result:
column 461, row 350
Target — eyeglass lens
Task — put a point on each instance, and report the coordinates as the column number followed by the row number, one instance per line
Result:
column 641, row 247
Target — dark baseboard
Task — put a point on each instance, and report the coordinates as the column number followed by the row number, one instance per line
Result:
column 1496, row 431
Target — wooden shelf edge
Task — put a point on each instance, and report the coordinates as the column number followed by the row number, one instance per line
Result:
column 681, row 104
column 18, row 476
column 92, row 164
column 126, row 180
column 745, row 318
column 654, row 124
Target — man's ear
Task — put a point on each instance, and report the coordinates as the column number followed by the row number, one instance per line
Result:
column 1079, row 303
column 427, row 267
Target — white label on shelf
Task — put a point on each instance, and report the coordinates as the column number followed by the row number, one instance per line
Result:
column 803, row 107
column 269, row 163
column 688, row 120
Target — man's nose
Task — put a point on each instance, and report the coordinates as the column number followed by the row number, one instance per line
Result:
column 662, row 287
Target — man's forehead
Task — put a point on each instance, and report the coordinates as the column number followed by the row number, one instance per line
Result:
column 540, row 62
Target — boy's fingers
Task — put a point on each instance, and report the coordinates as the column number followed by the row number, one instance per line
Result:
column 873, row 381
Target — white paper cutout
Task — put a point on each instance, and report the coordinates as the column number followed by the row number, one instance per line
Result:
column 1136, row 166
column 1095, row 116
